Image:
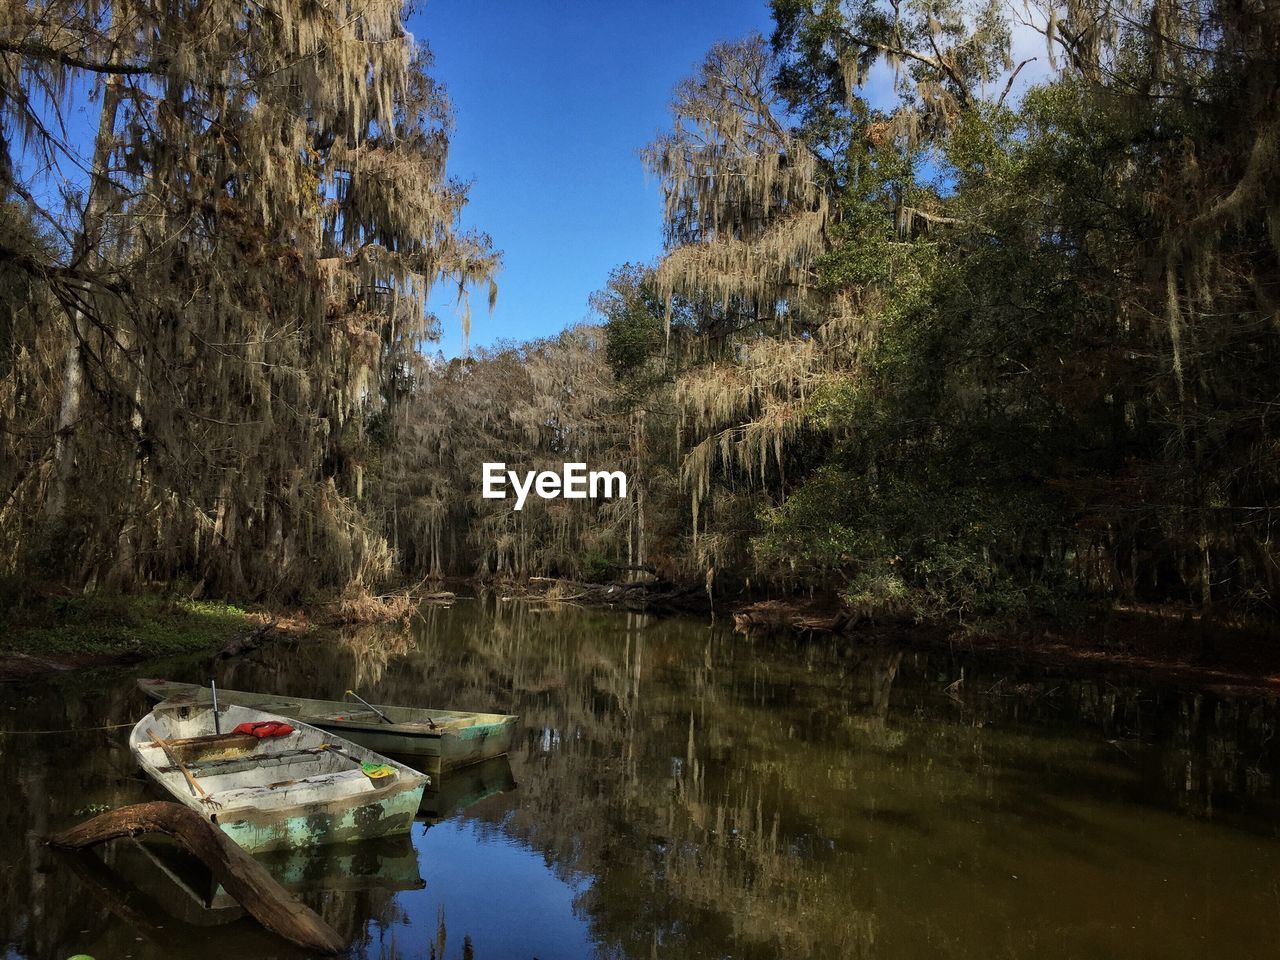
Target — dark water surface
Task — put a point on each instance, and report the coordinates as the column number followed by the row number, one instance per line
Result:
column 679, row 791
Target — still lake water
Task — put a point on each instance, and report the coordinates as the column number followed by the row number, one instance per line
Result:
column 680, row 791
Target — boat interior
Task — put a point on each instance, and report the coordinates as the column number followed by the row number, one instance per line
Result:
column 240, row 769
column 441, row 720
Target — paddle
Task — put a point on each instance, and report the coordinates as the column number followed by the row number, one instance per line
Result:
column 385, row 718
column 370, row 768
column 196, row 789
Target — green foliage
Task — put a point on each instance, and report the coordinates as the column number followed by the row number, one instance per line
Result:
column 915, row 545
column 638, row 348
column 633, row 322
column 941, row 350
column 185, row 374
column 1064, row 325
column 101, row 624
column 595, row 566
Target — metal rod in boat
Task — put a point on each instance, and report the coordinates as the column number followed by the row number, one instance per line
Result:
column 385, row 718
column 217, row 727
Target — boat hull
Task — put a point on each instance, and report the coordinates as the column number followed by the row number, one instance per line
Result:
column 324, row 823
column 448, row 751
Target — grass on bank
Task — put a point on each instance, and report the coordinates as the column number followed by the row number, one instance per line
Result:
column 111, row 625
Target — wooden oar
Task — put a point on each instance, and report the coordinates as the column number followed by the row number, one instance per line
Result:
column 337, row 750
column 196, row 789
column 385, row 718
column 430, row 723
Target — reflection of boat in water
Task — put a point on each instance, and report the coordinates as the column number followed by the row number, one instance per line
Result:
column 387, row 863
column 188, row 891
column 141, row 874
column 303, row 788
column 164, row 893
column 183, row 887
column 449, row 738
column 467, row 786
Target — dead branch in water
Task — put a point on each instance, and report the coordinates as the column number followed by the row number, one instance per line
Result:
column 247, row 641
column 240, row 875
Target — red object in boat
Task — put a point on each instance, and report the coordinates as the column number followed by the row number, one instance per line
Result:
column 265, row 728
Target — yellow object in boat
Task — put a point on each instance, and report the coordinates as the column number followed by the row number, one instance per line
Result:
column 376, row 771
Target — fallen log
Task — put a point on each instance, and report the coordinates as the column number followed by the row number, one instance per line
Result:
column 240, row 875
column 246, row 641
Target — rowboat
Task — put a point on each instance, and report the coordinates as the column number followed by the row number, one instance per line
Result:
column 447, row 738
column 304, row 788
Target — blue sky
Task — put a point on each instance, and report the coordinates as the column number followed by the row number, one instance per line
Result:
column 554, row 101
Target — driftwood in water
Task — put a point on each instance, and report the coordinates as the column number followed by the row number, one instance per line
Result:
column 793, row 615
column 240, row 875
column 655, row 596
column 247, row 641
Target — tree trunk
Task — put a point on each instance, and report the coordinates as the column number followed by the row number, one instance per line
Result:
column 240, row 875
column 85, row 252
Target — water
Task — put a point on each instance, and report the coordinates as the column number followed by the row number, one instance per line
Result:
column 679, row 791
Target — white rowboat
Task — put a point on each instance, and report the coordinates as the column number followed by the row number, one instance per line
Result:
column 307, row 788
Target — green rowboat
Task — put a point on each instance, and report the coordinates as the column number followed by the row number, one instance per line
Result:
column 449, row 739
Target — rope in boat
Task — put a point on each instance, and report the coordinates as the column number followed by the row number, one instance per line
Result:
column 45, row 733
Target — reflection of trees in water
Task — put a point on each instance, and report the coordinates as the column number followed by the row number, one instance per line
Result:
column 631, row 772
column 1195, row 752
column 715, row 789
column 351, row 657
column 389, row 946
column 372, row 649
column 732, row 794
column 735, row 847
column 47, row 778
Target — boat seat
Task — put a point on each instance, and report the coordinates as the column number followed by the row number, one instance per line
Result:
column 248, row 762
column 325, row 786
